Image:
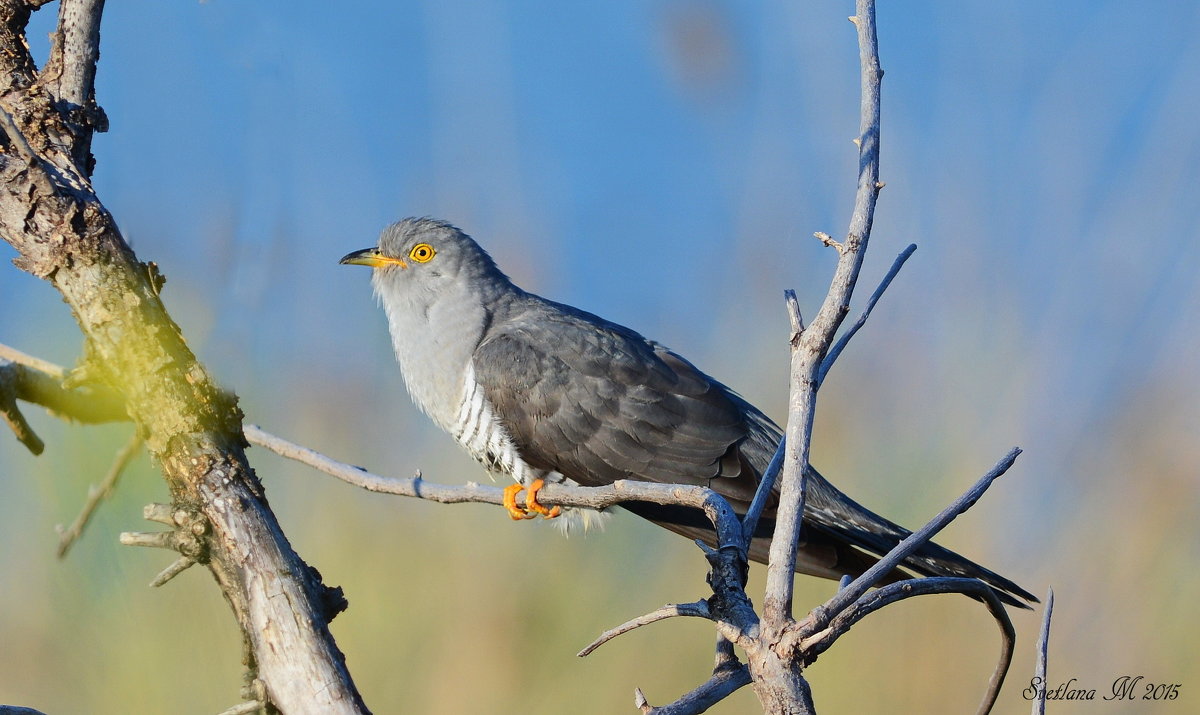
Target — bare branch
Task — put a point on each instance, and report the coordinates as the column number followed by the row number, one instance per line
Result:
column 715, row 506
column 794, row 316
column 77, row 46
column 818, row 643
column 178, row 566
column 71, row 71
column 809, row 351
column 735, row 618
column 13, row 355
column 161, row 513
column 67, row 536
column 39, row 382
column 726, row 655
column 851, row 593
column 731, row 608
column 1043, row 649
column 698, row 609
column 766, row 486
column 722, row 684
column 829, row 241
column 841, row 344
column 12, row 413
column 729, row 528
column 640, row 702
column 149, row 539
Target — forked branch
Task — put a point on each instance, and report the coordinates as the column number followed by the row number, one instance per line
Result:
column 814, row 343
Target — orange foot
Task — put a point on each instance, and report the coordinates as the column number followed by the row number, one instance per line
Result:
column 531, row 502
column 532, row 507
column 510, row 503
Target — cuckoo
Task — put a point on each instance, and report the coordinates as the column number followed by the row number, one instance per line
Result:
column 539, row 390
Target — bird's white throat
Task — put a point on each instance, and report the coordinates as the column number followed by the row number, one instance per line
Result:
column 433, row 360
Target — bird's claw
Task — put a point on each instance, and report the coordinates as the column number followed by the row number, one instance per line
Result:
column 515, row 512
column 532, row 507
column 532, row 504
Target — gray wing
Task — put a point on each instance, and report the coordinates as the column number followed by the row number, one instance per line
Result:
column 597, row 402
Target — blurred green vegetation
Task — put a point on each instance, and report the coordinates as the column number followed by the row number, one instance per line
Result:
column 456, row 609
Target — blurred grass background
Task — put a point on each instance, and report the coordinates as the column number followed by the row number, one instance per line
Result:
column 662, row 164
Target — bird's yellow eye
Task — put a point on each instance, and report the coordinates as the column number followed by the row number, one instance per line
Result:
column 421, row 253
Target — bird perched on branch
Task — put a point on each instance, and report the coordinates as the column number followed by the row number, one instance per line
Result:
column 532, row 388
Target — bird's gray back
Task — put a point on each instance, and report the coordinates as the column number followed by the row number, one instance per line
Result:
column 597, row 402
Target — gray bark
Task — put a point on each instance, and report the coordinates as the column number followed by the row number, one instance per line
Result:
column 51, row 216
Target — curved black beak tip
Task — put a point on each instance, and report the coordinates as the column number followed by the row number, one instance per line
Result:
column 364, row 257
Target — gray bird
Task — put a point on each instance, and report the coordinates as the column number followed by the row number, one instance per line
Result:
column 533, row 388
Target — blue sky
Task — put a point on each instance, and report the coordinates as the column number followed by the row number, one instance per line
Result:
column 664, row 164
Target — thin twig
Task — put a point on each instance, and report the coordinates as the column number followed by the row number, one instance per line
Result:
column 149, row 539
column 1043, row 649
column 728, row 560
column 818, row 643
column 728, row 526
column 178, row 566
column 851, row 593
column 842, row 342
column 41, row 383
column 794, row 316
column 97, row 494
column 766, row 484
column 829, row 241
column 721, row 685
column 13, row 416
column 11, row 354
column 698, row 609
column 766, row 487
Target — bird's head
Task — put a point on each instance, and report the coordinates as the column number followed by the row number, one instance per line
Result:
column 424, row 255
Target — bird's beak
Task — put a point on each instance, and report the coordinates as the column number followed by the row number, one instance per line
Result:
column 370, row 257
